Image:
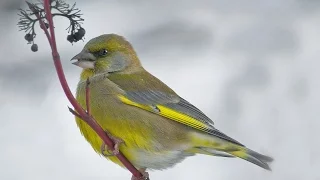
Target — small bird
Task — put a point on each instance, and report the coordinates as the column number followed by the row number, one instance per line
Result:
column 151, row 125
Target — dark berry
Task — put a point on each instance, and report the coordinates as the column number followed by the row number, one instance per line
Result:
column 70, row 38
column 77, row 37
column 34, row 47
column 28, row 37
column 81, row 32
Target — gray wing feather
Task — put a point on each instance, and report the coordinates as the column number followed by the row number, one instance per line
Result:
column 172, row 101
column 177, row 103
column 152, row 97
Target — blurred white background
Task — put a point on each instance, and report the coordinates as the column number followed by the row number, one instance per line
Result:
column 250, row 65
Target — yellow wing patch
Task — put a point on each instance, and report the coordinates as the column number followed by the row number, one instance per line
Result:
column 170, row 114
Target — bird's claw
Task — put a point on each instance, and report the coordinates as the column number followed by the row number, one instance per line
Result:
column 116, row 151
column 145, row 175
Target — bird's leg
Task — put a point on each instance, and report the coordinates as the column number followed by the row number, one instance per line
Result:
column 145, row 175
column 117, row 143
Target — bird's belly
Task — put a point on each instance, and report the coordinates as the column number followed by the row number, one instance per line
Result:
column 158, row 160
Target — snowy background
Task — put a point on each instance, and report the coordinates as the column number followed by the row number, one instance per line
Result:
column 250, row 65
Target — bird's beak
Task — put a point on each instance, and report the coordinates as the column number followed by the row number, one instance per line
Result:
column 84, row 59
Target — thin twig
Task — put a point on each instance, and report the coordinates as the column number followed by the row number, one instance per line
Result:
column 32, row 8
column 74, row 112
column 88, row 96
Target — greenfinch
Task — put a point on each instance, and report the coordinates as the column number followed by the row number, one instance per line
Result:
column 152, row 126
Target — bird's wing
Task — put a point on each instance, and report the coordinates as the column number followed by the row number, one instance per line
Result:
column 144, row 91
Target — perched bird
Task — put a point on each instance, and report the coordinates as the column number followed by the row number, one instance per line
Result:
column 152, row 126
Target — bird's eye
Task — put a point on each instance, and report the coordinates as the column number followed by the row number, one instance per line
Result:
column 103, row 52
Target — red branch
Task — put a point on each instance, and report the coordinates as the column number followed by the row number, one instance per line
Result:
column 80, row 112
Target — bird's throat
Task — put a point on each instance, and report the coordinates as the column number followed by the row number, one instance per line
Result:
column 86, row 73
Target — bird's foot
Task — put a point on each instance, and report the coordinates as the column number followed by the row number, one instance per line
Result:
column 145, row 175
column 117, row 143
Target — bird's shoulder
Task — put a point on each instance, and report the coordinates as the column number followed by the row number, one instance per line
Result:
column 140, row 81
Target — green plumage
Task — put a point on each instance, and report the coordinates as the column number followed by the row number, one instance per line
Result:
column 159, row 127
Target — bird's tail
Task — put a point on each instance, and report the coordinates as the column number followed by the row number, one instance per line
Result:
column 218, row 147
column 240, row 152
column 253, row 157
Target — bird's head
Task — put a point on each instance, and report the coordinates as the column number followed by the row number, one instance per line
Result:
column 107, row 53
